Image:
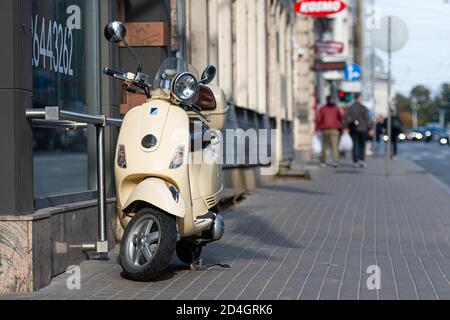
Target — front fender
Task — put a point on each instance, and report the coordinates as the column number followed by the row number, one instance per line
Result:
column 156, row 192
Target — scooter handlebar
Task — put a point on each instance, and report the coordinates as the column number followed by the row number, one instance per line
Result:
column 114, row 73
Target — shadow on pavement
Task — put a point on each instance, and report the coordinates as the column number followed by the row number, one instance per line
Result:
column 291, row 189
column 174, row 268
column 349, row 172
column 226, row 252
column 261, row 230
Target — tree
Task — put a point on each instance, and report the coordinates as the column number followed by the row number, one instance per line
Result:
column 425, row 105
column 403, row 103
column 445, row 93
column 420, row 94
column 404, row 110
column 443, row 101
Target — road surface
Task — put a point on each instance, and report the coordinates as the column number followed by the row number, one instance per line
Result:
column 432, row 156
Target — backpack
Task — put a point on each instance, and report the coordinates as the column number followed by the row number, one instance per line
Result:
column 396, row 124
column 355, row 117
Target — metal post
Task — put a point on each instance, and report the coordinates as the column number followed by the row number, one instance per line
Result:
column 389, row 118
column 319, row 90
column 414, row 105
column 415, row 118
column 373, row 85
column 358, row 33
column 102, row 244
column 181, row 17
column 54, row 117
column 441, row 117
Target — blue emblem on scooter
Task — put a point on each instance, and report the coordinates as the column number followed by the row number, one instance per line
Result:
column 154, row 111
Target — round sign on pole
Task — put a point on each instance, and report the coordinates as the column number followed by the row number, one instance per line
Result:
column 392, row 36
column 399, row 34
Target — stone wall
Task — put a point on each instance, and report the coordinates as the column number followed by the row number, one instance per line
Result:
column 34, row 248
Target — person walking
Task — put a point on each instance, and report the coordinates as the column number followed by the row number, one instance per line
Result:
column 396, row 129
column 357, row 123
column 329, row 122
column 379, row 134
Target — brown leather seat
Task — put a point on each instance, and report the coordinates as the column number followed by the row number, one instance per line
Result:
column 206, row 100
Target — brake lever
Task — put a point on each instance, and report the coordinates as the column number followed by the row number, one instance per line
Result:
column 196, row 108
column 132, row 90
column 198, row 111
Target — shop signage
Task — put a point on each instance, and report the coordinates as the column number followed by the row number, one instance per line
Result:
column 329, row 47
column 328, row 66
column 333, row 75
column 351, row 86
column 319, row 8
column 65, row 67
column 53, row 41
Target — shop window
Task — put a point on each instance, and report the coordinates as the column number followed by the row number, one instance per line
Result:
column 66, row 74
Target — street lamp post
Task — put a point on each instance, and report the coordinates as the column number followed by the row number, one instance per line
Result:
column 414, row 107
column 391, row 37
column 441, row 117
column 389, row 117
column 373, row 88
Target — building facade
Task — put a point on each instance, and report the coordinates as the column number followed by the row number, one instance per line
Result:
column 264, row 53
column 345, row 29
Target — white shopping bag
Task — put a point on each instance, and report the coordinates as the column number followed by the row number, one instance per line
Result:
column 369, row 148
column 346, row 143
column 316, row 145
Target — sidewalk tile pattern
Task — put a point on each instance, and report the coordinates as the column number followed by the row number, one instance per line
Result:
column 308, row 240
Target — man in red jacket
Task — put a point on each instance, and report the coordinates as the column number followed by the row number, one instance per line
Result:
column 329, row 121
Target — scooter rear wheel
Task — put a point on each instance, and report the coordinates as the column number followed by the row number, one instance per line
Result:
column 148, row 245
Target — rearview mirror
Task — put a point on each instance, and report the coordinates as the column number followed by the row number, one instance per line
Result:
column 208, row 75
column 115, row 32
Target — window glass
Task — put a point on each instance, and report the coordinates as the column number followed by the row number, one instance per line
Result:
column 65, row 74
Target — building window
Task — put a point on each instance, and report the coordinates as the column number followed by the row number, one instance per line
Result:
column 66, row 74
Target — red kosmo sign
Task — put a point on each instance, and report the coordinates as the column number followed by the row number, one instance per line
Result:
column 319, row 8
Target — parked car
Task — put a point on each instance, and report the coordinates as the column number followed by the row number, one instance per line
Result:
column 415, row 134
column 433, row 132
column 444, row 138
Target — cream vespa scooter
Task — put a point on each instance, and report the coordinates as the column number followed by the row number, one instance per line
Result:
column 167, row 200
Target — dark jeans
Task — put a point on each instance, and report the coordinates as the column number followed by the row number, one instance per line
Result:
column 394, row 144
column 359, row 146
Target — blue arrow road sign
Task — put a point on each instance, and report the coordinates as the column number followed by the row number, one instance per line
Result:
column 352, row 72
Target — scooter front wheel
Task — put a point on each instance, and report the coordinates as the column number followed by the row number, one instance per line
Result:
column 148, row 245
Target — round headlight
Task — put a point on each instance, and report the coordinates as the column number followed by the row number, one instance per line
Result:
column 185, row 86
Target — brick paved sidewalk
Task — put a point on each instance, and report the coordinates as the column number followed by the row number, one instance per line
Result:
column 309, row 240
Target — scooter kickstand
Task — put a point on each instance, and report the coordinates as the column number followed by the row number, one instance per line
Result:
column 197, row 264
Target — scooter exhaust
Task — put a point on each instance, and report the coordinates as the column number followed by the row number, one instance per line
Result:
column 218, row 227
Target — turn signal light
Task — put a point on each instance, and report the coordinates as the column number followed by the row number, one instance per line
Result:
column 178, row 158
column 121, row 157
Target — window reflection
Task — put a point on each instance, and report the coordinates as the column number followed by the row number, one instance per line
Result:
column 65, row 74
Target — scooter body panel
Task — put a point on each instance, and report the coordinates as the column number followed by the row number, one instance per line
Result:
column 169, row 125
column 155, row 191
column 206, row 178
